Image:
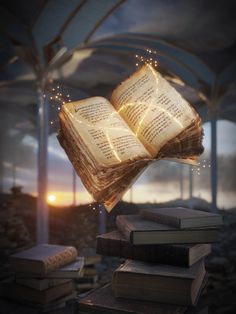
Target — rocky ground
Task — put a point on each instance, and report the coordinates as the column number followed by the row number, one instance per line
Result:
column 79, row 227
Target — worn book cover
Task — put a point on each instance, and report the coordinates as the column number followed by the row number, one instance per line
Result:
column 102, row 300
column 43, row 259
column 18, row 292
column 158, row 282
column 40, row 284
column 111, row 142
column 69, row 271
column 141, row 231
column 183, row 218
column 115, row 244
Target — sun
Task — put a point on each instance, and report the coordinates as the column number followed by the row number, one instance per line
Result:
column 52, row 198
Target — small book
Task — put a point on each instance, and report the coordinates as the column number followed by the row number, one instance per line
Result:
column 102, row 300
column 141, row 231
column 158, row 282
column 43, row 259
column 115, row 244
column 183, row 218
column 111, row 142
column 69, row 271
column 90, row 256
column 25, row 294
column 85, row 286
column 40, row 284
column 90, row 271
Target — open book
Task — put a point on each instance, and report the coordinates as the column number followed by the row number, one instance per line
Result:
column 111, row 142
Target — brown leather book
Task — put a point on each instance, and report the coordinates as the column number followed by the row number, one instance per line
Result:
column 115, row 244
column 25, row 294
column 159, row 282
column 183, row 218
column 138, row 230
column 43, row 259
column 102, row 300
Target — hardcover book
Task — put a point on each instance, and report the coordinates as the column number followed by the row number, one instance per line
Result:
column 141, row 231
column 22, row 293
column 183, row 218
column 40, row 284
column 115, row 244
column 102, row 300
column 69, row 271
column 43, row 259
column 111, row 142
column 158, row 282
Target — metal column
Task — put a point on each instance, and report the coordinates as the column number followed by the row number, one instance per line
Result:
column 214, row 163
column 190, row 187
column 74, row 186
column 42, row 206
column 181, row 180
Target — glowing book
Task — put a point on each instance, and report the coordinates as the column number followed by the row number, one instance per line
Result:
column 111, row 142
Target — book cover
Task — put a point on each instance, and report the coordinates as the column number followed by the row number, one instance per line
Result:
column 102, row 300
column 25, row 294
column 40, row 284
column 43, row 259
column 115, row 244
column 182, row 218
column 140, row 231
column 158, row 282
column 69, row 271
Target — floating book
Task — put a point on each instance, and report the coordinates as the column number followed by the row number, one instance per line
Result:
column 102, row 300
column 140, row 231
column 111, row 142
column 115, row 244
column 43, row 259
column 183, row 218
column 71, row 270
column 159, row 283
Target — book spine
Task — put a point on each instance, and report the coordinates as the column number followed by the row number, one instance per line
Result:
column 124, row 228
column 163, row 219
column 58, row 260
column 164, row 254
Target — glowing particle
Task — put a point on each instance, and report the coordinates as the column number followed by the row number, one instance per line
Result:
column 51, row 97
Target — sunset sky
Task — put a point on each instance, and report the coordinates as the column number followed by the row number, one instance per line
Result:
column 60, row 174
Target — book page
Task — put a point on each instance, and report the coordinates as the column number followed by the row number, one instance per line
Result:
column 152, row 108
column 104, row 132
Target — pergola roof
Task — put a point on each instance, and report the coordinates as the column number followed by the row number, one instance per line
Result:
column 89, row 46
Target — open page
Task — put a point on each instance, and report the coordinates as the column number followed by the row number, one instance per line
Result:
column 104, row 132
column 152, row 108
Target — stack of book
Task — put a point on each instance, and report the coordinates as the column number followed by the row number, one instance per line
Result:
column 90, row 273
column 164, row 271
column 44, row 276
